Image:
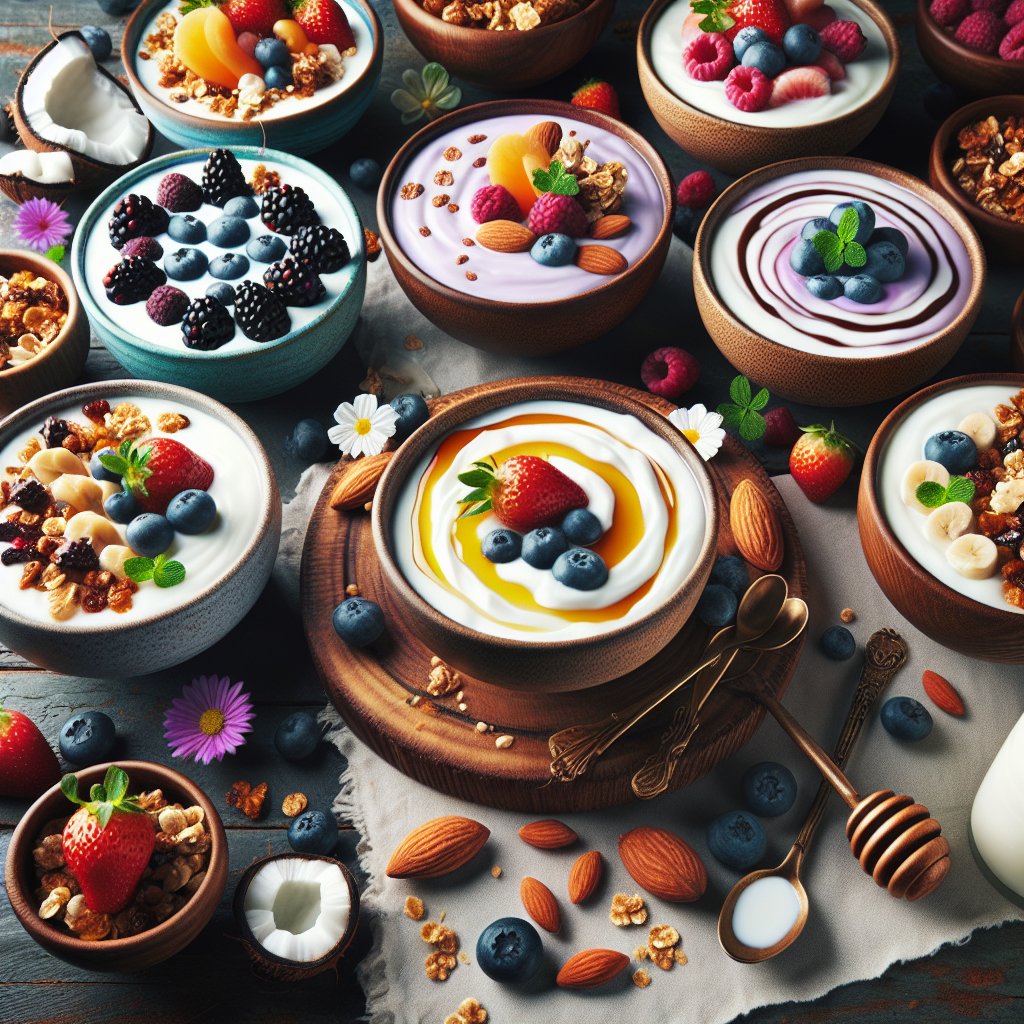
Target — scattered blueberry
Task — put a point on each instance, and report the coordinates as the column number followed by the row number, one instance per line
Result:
column 717, row 606
column 222, row 292
column 737, row 840
column 769, row 789
column 952, row 449
column 365, row 173
column 227, row 231
column 747, row 37
column 730, row 571
column 412, row 411
column 185, row 228
column 98, row 40
column 837, row 643
column 313, row 832
column 297, row 736
column 185, row 264
column 541, row 547
column 229, row 267
column 766, row 57
column 501, row 545
column 554, row 250
column 885, row 262
column 940, row 100
column 99, row 471
column 308, row 441
column 805, row 259
column 906, row 719
column 862, row 288
column 893, row 235
column 278, row 78
column 824, row 286
column 509, row 949
column 149, row 534
column 242, row 206
column 358, row 622
column 266, row 248
column 581, row 526
column 192, row 511
column 686, row 222
column 87, row 738
column 812, row 227
column 580, row 569
column 272, row 53
column 865, row 219
column 802, row 44
column 121, row 507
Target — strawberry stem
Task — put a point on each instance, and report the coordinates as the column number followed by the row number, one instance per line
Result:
column 106, row 798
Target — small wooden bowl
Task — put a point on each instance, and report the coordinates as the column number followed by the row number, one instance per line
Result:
column 973, row 73
column 738, row 148
column 504, row 61
column 950, row 618
column 526, row 328
column 138, row 951
column 817, row 378
column 544, row 666
column 1017, row 335
column 1005, row 237
column 60, row 363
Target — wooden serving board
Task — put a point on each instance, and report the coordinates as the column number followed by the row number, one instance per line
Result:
column 435, row 743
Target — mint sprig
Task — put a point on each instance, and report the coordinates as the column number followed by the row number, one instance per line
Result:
column 556, row 180
column 717, row 17
column 104, row 798
column 743, row 413
column 164, row 572
column 838, row 247
column 932, row 494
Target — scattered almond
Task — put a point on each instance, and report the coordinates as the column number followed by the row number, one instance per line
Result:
column 941, row 693
column 548, row 134
column 358, row 481
column 548, row 834
column 505, row 236
column 591, row 967
column 755, row 526
column 437, row 847
column 585, row 875
column 610, row 226
column 663, row 864
column 600, row 259
column 540, row 903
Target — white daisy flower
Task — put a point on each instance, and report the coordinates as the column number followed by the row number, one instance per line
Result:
column 701, row 428
column 363, row 426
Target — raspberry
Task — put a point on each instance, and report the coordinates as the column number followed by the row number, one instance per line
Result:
column 980, row 31
column 845, row 39
column 948, row 13
column 748, row 89
column 1014, row 13
column 167, row 305
column 780, row 428
column 494, row 202
column 1012, row 46
column 558, row 215
column 669, row 372
column 144, row 246
column 178, row 193
column 995, row 6
column 831, row 65
column 708, row 57
column 696, row 190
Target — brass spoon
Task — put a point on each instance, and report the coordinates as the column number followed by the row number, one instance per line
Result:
column 886, row 655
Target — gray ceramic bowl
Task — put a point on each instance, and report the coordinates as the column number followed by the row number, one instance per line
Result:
column 171, row 631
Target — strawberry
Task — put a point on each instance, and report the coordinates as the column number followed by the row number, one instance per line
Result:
column 597, row 95
column 107, row 842
column 28, row 766
column 821, row 461
column 256, row 16
column 525, row 492
column 154, row 471
column 324, row 21
column 729, row 16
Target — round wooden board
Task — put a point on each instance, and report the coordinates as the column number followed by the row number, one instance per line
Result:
column 439, row 746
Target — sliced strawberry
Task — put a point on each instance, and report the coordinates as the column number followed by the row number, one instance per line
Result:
column 803, row 83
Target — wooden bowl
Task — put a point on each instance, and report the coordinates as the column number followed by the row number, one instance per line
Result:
column 738, row 148
column 138, row 951
column 526, row 328
column 60, row 363
column 947, row 615
column 973, row 73
column 819, row 378
column 504, row 61
column 1004, row 237
column 544, row 665
column 1017, row 335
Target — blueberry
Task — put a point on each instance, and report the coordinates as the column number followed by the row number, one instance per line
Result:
column 149, row 534
column 121, row 507
column 862, row 288
column 893, row 235
column 717, row 606
column 685, row 223
column 297, row 736
column 581, row 526
column 746, row 37
column 227, row 231
column 865, row 219
column 266, row 248
column 509, row 949
column 737, row 840
column 241, row 206
column 185, row 264
column 952, row 449
column 766, row 57
column 308, row 441
column 805, row 259
column 554, row 250
column 812, row 227
column 273, row 53
column 801, row 44
column 541, row 547
column 412, row 411
column 885, row 262
column 1011, row 446
column 313, row 832
column 906, row 719
column 229, row 267
column 365, row 173
column 502, row 546
column 837, row 643
column 730, row 571
column 185, row 228
column 99, row 471
column 358, row 622
column 769, row 789
column 580, row 569
column 278, row 78
column 824, row 286
column 222, row 292
column 98, row 40
column 87, row 738
column 191, row 512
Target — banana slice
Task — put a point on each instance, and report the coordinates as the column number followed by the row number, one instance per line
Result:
column 980, row 428
column 917, row 474
column 948, row 522
column 50, row 463
column 102, row 532
column 973, row 556
column 113, row 557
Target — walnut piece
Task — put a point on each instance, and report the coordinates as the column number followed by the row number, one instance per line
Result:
column 626, row 910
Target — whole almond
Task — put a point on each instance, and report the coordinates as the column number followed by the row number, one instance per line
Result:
column 755, row 526
column 540, row 903
column 591, row 968
column 505, row 236
column 437, row 848
column 941, row 693
column 358, row 481
column 663, row 864
column 548, row 834
column 585, row 875
column 610, row 226
column 548, row 134
column 600, row 259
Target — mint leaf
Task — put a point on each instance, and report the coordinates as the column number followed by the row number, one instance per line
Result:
column 556, row 180
column 56, row 253
column 848, row 224
column 760, row 400
column 139, row 569
column 739, row 390
column 960, row 489
column 930, row 494
column 731, row 415
column 752, row 425
column 830, row 248
column 854, row 254
column 168, row 573
column 743, row 413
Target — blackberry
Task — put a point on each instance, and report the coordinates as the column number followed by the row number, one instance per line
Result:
column 287, row 208
column 133, row 280
column 324, row 247
column 9, row 530
column 77, row 554
column 259, row 313
column 207, row 324
column 54, row 431
column 223, row 178
column 30, row 495
column 294, row 283
column 12, row 556
column 133, row 217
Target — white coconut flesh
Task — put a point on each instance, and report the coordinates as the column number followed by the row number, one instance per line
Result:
column 68, row 102
column 298, row 909
column 44, row 168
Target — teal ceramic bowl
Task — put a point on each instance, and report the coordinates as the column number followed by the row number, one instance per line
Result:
column 241, row 370
column 296, row 126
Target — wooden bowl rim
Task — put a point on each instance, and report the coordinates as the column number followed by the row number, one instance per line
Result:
column 24, row 835
column 496, row 108
column 584, row 391
column 955, row 51
column 738, row 189
column 869, row 485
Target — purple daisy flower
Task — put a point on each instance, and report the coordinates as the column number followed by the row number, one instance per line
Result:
column 208, row 720
column 42, row 224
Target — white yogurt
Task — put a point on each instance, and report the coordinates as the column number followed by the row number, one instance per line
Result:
column 765, row 912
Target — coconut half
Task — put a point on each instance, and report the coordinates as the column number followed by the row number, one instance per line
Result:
column 25, row 174
column 297, row 913
column 66, row 101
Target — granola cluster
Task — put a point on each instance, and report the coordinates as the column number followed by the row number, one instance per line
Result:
column 602, row 186
column 504, row 15
column 990, row 168
column 443, row 960
column 33, row 312
column 663, row 949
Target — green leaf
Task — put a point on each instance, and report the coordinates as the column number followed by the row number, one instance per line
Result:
column 480, row 494
column 56, row 253
column 555, row 180
column 139, row 569
column 69, row 787
column 115, row 782
column 854, row 254
column 476, row 510
column 848, row 224
column 739, row 390
column 731, row 414
column 743, row 414
column 960, row 489
column 434, row 78
column 168, row 573
column 115, row 463
column 760, row 400
column 476, row 477
column 104, row 813
column 97, row 792
column 930, row 494
column 830, row 248
column 752, row 426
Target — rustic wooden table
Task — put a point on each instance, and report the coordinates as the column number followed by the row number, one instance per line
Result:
column 210, row 981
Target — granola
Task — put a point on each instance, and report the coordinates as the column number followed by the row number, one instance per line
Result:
column 504, row 15
column 990, row 166
column 33, row 312
column 626, row 910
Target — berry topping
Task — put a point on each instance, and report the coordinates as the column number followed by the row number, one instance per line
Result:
column 845, row 39
column 287, row 208
column 670, row 372
column 493, row 202
column 29, row 494
column 259, row 313
column 501, row 545
column 133, row 280
column 708, row 57
column 166, row 305
column 1012, row 46
column 157, row 469
column 206, row 324
column 766, row 57
column 948, row 13
column 1014, row 13
column 748, row 89
column 597, row 95
column 55, row 431
column 696, row 190
column 144, row 246
column 731, row 16
column 802, row 45
column 780, row 428
column 295, row 283
column 178, row 193
column 134, row 216
column 800, row 84
column 96, row 410
column 553, row 250
column 325, row 248
column 558, row 214
column 580, row 569
column 358, row 622
column 77, row 554
column 12, row 556
column 831, row 65
column 324, row 21
column 223, row 178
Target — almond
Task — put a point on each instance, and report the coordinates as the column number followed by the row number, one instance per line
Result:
column 549, row 834
column 548, row 134
column 358, row 482
column 437, row 847
column 591, row 968
column 663, row 864
column 611, row 226
column 540, row 903
column 600, row 259
column 941, row 693
column 585, row 875
column 755, row 526
column 505, row 236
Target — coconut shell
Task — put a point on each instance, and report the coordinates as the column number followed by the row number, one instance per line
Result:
column 21, row 189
